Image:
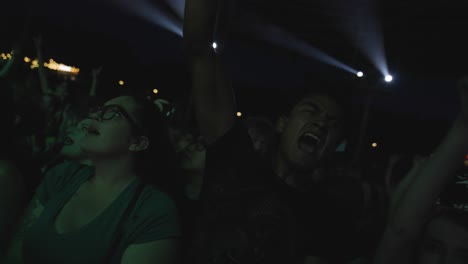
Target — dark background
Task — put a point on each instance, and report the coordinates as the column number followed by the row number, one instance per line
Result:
column 424, row 44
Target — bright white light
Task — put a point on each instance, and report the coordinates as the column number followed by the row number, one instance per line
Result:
column 360, row 74
column 388, row 78
column 64, row 68
column 215, row 45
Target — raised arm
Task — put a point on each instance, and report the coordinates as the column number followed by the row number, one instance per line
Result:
column 94, row 82
column 45, row 88
column 213, row 97
column 7, row 68
column 416, row 204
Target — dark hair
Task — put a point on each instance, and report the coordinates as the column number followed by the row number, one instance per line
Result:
column 339, row 90
column 156, row 165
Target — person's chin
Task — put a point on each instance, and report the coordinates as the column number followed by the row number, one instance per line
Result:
column 304, row 161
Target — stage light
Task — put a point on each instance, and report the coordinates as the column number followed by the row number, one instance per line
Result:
column 121, row 82
column 26, row 59
column 239, row 114
column 388, row 78
column 360, row 74
column 374, row 145
column 155, row 91
column 215, row 45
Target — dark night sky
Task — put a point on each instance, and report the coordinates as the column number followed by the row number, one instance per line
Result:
column 423, row 41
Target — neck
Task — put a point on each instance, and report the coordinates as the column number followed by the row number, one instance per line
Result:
column 290, row 174
column 195, row 178
column 194, row 184
column 113, row 173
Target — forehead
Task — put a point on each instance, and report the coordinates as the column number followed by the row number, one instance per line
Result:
column 126, row 102
column 324, row 102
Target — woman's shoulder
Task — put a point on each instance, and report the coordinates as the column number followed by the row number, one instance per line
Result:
column 154, row 200
column 154, row 217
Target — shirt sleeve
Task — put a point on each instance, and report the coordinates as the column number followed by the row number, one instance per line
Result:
column 55, row 180
column 156, row 218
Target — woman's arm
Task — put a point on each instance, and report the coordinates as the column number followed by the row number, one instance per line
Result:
column 95, row 75
column 45, row 88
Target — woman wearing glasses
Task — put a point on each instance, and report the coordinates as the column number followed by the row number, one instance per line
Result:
column 112, row 212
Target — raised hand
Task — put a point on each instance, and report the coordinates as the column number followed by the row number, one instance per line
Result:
column 96, row 72
column 160, row 103
column 38, row 42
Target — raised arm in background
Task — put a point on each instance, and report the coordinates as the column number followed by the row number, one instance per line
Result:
column 7, row 68
column 94, row 82
column 45, row 88
column 213, row 97
column 415, row 206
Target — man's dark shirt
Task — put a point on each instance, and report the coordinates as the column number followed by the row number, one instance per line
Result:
column 249, row 215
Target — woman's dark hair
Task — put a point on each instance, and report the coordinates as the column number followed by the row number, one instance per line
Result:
column 156, row 165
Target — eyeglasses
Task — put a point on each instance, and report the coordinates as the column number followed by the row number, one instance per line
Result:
column 189, row 143
column 109, row 112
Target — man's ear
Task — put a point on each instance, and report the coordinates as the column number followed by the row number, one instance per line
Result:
column 281, row 123
column 140, row 144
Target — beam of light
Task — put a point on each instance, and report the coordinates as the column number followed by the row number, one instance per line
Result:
column 152, row 14
column 359, row 21
column 178, row 6
column 284, row 39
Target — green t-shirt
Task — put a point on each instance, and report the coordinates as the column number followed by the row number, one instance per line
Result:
column 154, row 217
